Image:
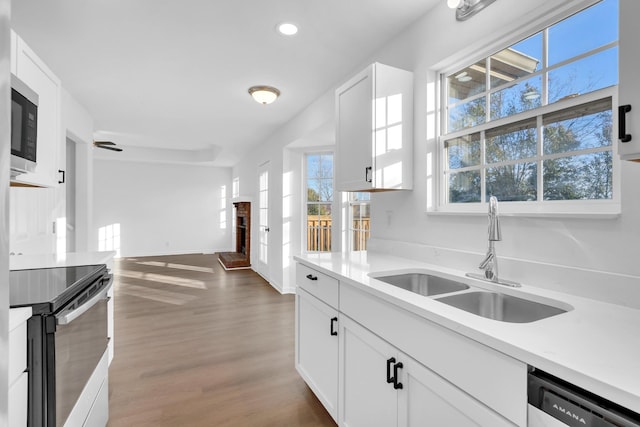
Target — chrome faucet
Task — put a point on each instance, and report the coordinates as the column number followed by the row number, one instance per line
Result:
column 490, row 262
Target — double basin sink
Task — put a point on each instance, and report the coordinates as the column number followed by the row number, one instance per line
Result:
column 484, row 303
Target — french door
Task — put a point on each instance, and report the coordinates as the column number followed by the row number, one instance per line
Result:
column 262, row 266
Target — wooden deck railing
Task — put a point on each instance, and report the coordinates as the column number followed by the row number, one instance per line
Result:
column 319, row 234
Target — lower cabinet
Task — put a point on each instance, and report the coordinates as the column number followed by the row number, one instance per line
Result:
column 382, row 386
column 317, row 348
column 17, row 366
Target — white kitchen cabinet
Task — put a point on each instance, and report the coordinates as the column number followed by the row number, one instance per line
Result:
column 317, row 334
column 446, row 378
column 629, row 86
column 29, row 68
column 18, row 375
column 382, row 386
column 374, row 130
column 317, row 348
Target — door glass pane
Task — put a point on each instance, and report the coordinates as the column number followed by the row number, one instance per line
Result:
column 516, row 182
column 517, row 61
column 586, row 176
column 585, row 31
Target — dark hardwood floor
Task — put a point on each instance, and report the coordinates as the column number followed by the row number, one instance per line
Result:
column 198, row 346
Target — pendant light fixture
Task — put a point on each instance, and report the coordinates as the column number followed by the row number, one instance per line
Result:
column 264, row 94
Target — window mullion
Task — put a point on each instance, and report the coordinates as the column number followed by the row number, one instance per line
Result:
column 539, row 142
column 483, row 167
column 545, row 64
column 487, row 91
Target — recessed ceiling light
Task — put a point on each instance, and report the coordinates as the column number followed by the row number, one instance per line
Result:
column 287, row 28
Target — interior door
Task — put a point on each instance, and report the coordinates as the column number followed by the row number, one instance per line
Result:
column 262, row 266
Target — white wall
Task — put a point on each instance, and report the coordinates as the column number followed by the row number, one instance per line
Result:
column 78, row 125
column 162, row 209
column 592, row 257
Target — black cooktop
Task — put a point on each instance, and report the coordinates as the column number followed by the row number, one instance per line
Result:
column 48, row 289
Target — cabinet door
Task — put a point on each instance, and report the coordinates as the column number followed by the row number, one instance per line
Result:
column 317, row 348
column 629, row 85
column 426, row 399
column 354, row 133
column 35, row 74
column 366, row 398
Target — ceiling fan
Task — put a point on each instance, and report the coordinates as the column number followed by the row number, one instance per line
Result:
column 107, row 145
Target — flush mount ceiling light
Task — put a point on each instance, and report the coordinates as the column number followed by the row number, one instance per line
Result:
column 264, row 94
column 287, row 29
column 531, row 94
column 464, row 77
column 465, row 9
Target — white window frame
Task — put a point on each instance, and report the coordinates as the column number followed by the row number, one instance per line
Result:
column 305, row 203
column 605, row 208
column 349, row 226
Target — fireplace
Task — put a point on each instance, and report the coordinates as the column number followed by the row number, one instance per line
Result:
column 241, row 258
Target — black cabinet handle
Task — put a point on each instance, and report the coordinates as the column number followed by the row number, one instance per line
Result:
column 312, row 277
column 62, row 172
column 333, row 322
column 397, row 385
column 367, row 174
column 390, row 362
column 623, row 136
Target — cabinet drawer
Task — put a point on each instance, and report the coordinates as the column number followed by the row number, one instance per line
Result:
column 491, row 377
column 318, row 284
column 17, row 351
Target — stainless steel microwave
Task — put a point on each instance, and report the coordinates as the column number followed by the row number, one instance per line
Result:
column 24, row 127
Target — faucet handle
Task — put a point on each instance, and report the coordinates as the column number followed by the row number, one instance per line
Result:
column 495, row 234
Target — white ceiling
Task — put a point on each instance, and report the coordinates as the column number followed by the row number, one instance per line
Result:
column 174, row 74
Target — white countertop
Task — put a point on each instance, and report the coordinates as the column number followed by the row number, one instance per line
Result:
column 26, row 262
column 595, row 345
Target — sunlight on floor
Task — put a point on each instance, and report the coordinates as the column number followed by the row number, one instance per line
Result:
column 167, row 297
column 162, row 278
column 177, row 266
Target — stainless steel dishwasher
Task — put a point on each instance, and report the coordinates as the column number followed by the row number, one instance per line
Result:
column 554, row 402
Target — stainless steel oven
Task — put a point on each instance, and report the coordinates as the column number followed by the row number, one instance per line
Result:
column 67, row 335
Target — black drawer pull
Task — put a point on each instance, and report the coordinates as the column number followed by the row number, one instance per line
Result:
column 367, row 174
column 390, row 362
column 312, row 277
column 396, row 384
column 623, row 136
column 333, row 321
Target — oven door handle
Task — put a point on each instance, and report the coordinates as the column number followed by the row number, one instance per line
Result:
column 68, row 316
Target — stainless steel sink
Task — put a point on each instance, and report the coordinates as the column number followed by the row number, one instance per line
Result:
column 423, row 284
column 497, row 306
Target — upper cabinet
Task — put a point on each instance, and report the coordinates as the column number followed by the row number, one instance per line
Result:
column 629, row 85
column 374, row 130
column 26, row 65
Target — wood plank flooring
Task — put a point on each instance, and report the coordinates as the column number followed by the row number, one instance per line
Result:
column 198, row 346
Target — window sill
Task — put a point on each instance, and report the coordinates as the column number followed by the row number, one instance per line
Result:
column 587, row 211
